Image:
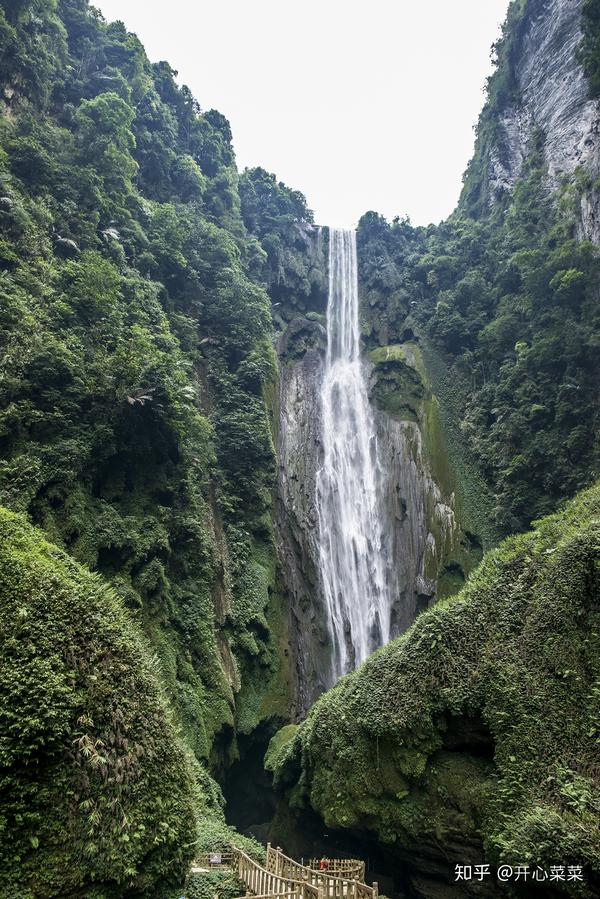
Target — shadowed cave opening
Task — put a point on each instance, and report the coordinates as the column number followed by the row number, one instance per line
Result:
column 254, row 809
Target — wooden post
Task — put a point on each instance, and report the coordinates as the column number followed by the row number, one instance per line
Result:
column 375, row 890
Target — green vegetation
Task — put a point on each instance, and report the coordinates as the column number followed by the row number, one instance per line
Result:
column 504, row 300
column 136, row 347
column 216, row 835
column 474, row 735
column 398, row 388
column 136, row 359
column 510, row 307
column 278, row 745
column 223, row 884
column 143, row 286
column 98, row 794
column 293, row 265
column 481, row 723
column 501, row 93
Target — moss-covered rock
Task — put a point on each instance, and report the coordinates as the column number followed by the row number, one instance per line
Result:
column 278, row 745
column 401, row 387
column 396, row 385
column 475, row 734
column 301, row 335
column 98, row 797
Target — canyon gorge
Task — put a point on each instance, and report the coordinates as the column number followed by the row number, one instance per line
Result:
column 299, row 525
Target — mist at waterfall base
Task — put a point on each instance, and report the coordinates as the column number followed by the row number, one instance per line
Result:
column 354, row 577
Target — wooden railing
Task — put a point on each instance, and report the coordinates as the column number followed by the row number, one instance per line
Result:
column 215, row 861
column 262, row 882
column 346, row 868
column 329, row 883
column 284, row 878
column 350, row 868
column 291, row 894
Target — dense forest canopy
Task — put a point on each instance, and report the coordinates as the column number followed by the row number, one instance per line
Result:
column 136, row 353
column 511, row 302
column 507, row 292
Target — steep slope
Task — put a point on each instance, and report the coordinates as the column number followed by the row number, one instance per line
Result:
column 136, row 355
column 98, row 796
column 149, row 428
column 431, row 548
column 540, row 86
column 503, row 297
column 473, row 737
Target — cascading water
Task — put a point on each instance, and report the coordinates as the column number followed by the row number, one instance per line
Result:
column 349, row 484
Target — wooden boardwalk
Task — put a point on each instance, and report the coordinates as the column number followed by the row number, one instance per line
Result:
column 284, row 878
column 338, row 869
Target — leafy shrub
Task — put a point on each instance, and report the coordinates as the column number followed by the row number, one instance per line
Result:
column 96, row 789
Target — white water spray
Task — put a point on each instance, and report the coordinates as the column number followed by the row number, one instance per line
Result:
column 349, row 495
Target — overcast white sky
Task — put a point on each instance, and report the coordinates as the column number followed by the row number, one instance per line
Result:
column 360, row 105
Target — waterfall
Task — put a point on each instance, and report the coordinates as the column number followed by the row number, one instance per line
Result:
column 349, row 495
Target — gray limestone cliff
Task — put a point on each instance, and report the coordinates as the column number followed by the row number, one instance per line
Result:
column 299, row 456
column 549, row 97
column 430, row 553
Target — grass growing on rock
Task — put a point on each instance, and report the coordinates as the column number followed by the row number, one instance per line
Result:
column 480, row 725
column 97, row 792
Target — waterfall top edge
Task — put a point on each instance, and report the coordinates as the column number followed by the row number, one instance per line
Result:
column 339, row 228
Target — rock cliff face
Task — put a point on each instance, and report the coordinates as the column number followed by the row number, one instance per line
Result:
column 539, row 97
column 424, row 535
column 300, row 317
column 299, row 456
column 466, row 740
column 553, row 95
column 430, row 554
column 550, row 94
column 424, row 525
